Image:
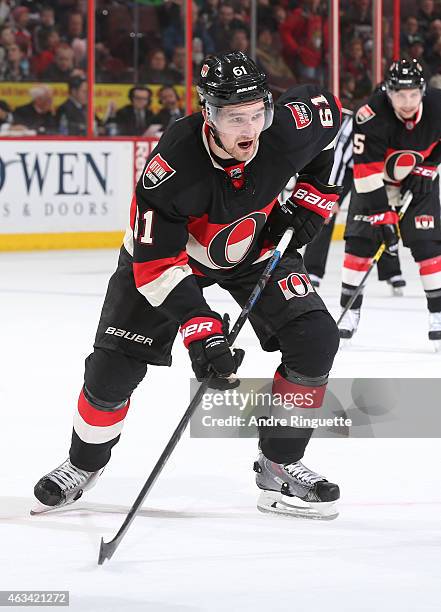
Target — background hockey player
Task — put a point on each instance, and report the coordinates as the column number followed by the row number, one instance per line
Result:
column 205, row 211
column 396, row 147
column 316, row 252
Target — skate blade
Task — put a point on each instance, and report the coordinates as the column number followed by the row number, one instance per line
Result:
column 397, row 292
column 40, row 508
column 276, row 503
column 345, row 343
column 436, row 345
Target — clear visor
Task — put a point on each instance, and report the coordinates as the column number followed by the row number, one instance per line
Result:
column 405, row 97
column 247, row 119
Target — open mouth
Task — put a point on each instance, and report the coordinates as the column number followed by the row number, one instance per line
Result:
column 245, row 145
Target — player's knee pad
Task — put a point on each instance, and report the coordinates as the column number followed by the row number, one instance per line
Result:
column 428, row 256
column 309, row 343
column 111, row 377
column 425, row 249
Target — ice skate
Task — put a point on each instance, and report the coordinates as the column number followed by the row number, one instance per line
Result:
column 294, row 490
column 349, row 324
column 62, row 487
column 315, row 280
column 396, row 284
column 435, row 330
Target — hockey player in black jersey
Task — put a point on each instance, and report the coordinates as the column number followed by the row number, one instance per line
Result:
column 397, row 146
column 206, row 211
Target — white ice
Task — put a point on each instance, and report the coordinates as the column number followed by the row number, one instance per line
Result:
column 199, row 543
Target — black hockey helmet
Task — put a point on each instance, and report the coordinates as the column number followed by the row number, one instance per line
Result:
column 405, row 74
column 233, row 78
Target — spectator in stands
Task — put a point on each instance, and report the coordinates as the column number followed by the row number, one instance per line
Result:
column 156, row 71
column 416, row 51
column 243, row 11
column 239, row 40
column 136, row 117
column 409, row 32
column 50, row 41
column 433, row 35
column 174, row 34
column 61, row 68
column 305, row 39
column 270, row 59
column 22, row 35
column 433, row 57
column 16, row 67
column 209, row 12
column 355, row 63
column 7, row 38
column 41, row 31
column 170, row 111
column 177, row 66
column 347, row 91
column 71, row 116
column 38, row 115
column 222, row 28
column 5, row 113
column 5, row 11
column 108, row 69
column 426, row 14
column 75, row 27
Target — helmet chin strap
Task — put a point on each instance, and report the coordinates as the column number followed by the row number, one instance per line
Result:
column 217, row 139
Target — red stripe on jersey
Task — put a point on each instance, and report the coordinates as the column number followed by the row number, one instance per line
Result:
column 359, row 264
column 425, row 152
column 299, row 395
column 147, row 271
column 100, row 418
column 363, row 170
column 133, row 212
column 430, row 266
column 201, row 229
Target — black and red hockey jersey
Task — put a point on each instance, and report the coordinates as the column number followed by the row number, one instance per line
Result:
column 191, row 217
column 387, row 148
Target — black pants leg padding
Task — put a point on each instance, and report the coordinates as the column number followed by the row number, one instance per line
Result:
column 111, row 376
column 308, row 344
column 425, row 250
column 360, row 247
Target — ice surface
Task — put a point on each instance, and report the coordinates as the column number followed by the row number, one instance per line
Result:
column 199, row 543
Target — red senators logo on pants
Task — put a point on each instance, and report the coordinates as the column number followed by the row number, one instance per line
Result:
column 295, row 285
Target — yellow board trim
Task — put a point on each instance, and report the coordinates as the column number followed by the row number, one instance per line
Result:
column 66, row 240
column 82, row 240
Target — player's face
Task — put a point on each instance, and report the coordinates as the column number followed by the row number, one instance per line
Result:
column 405, row 102
column 239, row 127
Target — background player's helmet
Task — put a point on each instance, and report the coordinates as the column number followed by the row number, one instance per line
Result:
column 233, row 78
column 405, row 74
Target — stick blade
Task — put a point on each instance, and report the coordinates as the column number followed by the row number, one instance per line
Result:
column 106, row 550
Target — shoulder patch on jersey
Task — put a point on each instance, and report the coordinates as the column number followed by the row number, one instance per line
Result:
column 302, row 114
column 157, row 172
column 365, row 113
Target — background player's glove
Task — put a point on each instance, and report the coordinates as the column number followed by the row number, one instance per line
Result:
column 420, row 180
column 386, row 230
column 305, row 211
column 205, row 338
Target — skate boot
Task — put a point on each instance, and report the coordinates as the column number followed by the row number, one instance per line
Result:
column 396, row 283
column 315, row 280
column 435, row 330
column 294, row 490
column 348, row 325
column 62, row 486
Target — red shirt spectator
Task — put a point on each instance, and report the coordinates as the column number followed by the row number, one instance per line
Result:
column 22, row 35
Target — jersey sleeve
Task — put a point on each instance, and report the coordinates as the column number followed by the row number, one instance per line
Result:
column 307, row 121
column 370, row 142
column 160, row 262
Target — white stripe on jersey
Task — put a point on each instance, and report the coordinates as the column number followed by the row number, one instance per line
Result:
column 342, row 152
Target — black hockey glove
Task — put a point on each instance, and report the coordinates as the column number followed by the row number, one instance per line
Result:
column 205, row 338
column 420, row 180
column 305, row 211
column 385, row 226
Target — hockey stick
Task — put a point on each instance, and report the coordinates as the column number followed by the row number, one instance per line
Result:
column 407, row 199
column 108, row 548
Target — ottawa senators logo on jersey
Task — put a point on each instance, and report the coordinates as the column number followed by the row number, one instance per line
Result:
column 157, row 172
column 425, row 222
column 295, row 285
column 232, row 244
column 302, row 114
column 399, row 164
column 364, row 114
